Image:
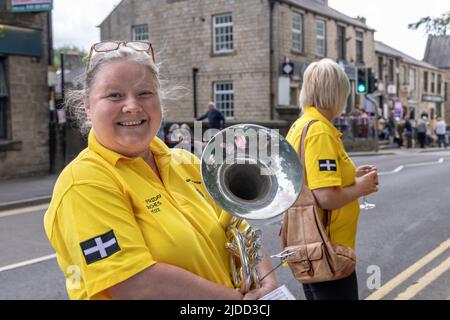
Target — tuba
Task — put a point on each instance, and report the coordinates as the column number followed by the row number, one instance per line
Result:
column 253, row 173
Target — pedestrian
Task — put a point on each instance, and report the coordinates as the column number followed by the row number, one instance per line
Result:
column 408, row 132
column 391, row 126
column 216, row 120
column 421, row 129
column 441, row 131
column 337, row 186
column 125, row 215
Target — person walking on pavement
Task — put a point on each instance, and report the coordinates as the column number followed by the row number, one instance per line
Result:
column 421, row 129
column 125, row 215
column 216, row 119
column 441, row 131
column 408, row 130
column 330, row 173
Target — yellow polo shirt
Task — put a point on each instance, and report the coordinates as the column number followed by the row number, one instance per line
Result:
column 111, row 217
column 328, row 165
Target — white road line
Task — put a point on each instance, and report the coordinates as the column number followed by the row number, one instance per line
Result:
column 14, row 212
column 27, row 263
column 441, row 160
column 400, row 278
column 396, row 170
column 423, row 282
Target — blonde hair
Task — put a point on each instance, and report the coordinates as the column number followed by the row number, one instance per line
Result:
column 74, row 101
column 325, row 86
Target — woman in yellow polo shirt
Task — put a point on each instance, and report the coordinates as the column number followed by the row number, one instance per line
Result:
column 331, row 174
column 129, row 217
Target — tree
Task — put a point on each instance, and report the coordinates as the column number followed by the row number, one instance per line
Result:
column 433, row 25
column 66, row 49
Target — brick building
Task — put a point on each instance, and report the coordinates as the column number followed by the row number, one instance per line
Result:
column 248, row 56
column 24, row 94
column 437, row 53
column 417, row 85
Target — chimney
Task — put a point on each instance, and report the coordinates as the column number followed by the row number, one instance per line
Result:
column 324, row 2
column 362, row 19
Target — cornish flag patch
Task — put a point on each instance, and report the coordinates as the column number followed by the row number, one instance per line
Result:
column 100, row 247
column 327, row 165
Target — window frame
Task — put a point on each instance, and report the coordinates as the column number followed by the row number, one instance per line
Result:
column 298, row 32
column 220, row 102
column 321, row 38
column 215, row 27
column 359, row 40
column 4, row 101
column 341, row 42
column 134, row 33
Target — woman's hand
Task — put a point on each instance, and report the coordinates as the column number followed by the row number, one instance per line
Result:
column 367, row 183
column 266, row 286
column 365, row 169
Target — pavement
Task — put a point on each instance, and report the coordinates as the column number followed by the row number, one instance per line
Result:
column 24, row 192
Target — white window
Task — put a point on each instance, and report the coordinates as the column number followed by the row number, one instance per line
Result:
column 320, row 38
column 140, row 32
column 412, row 80
column 297, row 30
column 223, row 33
column 224, row 98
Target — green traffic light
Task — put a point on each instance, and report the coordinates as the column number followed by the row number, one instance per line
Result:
column 361, row 88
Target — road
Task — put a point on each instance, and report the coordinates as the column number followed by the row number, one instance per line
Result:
column 403, row 244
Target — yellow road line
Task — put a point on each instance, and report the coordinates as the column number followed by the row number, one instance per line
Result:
column 413, row 290
column 14, row 212
column 397, row 280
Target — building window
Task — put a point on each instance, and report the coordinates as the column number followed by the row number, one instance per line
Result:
column 139, row 32
column 341, row 43
column 439, row 84
column 425, row 81
column 391, row 70
column 446, row 91
column 320, row 38
column 412, row 80
column 223, row 33
column 3, row 101
column 433, row 82
column 380, row 69
column 224, row 98
column 297, row 32
column 359, row 47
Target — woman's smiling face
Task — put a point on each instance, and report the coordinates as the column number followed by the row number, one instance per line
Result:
column 124, row 107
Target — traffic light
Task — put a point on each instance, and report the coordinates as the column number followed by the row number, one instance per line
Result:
column 362, row 81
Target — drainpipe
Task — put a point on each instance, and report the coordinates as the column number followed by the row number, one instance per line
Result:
column 271, row 64
column 194, row 89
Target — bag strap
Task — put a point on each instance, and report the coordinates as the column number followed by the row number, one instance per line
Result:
column 301, row 152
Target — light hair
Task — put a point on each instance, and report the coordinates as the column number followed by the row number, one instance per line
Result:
column 74, row 101
column 325, row 86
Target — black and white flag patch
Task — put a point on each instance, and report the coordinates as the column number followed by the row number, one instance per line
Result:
column 100, row 247
column 327, row 165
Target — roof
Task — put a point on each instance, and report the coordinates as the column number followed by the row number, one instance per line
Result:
column 325, row 10
column 109, row 14
column 383, row 48
column 437, row 51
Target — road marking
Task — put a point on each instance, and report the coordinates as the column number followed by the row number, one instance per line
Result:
column 413, row 290
column 14, row 212
column 396, row 170
column 419, row 164
column 400, row 278
column 27, row 263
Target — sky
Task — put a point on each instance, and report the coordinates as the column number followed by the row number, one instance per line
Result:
column 75, row 22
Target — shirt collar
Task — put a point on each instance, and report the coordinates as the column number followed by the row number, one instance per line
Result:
column 157, row 147
column 316, row 115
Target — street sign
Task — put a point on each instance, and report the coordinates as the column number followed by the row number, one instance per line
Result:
column 288, row 68
column 31, row 5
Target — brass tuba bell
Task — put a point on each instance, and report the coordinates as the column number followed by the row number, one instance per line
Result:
column 251, row 172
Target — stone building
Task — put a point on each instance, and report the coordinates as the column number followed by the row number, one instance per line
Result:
column 437, row 53
column 410, row 87
column 24, row 94
column 246, row 55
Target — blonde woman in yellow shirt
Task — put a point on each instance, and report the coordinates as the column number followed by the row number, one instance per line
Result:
column 330, row 173
column 129, row 216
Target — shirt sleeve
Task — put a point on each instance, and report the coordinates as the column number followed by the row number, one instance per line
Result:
column 322, row 162
column 102, row 237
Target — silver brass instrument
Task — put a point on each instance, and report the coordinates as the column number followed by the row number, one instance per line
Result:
column 251, row 172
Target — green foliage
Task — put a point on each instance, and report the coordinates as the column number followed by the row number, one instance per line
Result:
column 65, row 49
column 433, row 25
